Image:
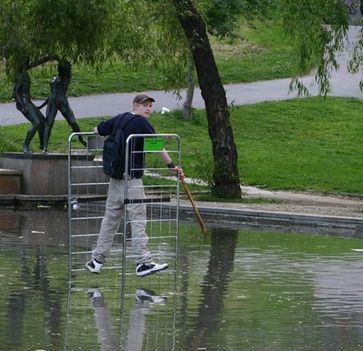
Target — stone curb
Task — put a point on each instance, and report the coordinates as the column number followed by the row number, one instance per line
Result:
column 227, row 217
column 219, row 216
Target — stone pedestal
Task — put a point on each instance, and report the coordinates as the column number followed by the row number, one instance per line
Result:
column 47, row 174
column 10, row 181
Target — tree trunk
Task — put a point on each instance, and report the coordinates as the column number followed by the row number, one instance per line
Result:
column 225, row 174
column 187, row 105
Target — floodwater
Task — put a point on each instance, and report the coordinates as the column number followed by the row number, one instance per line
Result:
column 242, row 289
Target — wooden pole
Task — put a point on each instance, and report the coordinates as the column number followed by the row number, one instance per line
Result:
column 199, row 218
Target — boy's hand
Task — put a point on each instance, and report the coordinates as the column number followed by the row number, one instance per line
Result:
column 175, row 170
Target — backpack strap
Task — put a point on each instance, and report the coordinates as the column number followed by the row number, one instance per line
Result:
column 122, row 121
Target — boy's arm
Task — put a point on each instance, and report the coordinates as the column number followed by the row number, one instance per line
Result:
column 168, row 161
column 105, row 127
column 166, row 158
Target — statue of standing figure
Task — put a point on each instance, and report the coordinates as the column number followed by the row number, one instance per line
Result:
column 24, row 104
column 58, row 101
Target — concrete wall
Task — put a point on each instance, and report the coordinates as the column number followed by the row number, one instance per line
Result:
column 47, row 174
column 10, row 181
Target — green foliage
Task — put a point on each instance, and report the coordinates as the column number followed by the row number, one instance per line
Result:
column 93, row 32
column 222, row 16
column 75, row 29
column 317, row 28
column 205, row 167
column 147, row 33
column 42, row 30
column 260, row 52
column 257, row 53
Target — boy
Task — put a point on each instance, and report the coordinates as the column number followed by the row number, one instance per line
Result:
column 141, row 109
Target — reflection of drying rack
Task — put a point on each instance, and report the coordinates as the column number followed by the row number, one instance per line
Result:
column 118, row 284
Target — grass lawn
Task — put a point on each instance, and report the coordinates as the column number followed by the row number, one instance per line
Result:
column 311, row 144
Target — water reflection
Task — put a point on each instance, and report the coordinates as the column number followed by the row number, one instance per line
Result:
column 31, row 300
column 106, row 338
column 338, row 289
column 110, row 339
column 214, row 288
column 243, row 289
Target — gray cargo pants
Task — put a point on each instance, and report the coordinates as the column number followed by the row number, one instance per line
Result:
column 136, row 214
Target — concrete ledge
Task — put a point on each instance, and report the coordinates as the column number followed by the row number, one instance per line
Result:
column 36, row 201
column 347, row 226
column 47, row 174
column 33, row 201
column 6, row 171
column 10, row 181
column 221, row 216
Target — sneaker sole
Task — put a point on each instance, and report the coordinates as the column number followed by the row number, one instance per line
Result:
column 91, row 269
column 145, row 273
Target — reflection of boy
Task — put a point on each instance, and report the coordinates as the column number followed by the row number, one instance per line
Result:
column 136, row 212
column 105, row 334
column 144, row 300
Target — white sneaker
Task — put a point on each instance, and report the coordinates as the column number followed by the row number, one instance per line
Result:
column 144, row 269
column 93, row 266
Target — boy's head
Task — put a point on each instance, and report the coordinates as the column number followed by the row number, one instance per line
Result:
column 142, row 104
column 141, row 98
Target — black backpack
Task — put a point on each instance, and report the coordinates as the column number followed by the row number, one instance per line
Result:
column 114, row 148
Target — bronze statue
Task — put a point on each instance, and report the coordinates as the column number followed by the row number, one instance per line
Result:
column 24, row 104
column 58, row 101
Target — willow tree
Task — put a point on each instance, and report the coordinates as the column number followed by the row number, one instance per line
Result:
column 221, row 18
column 317, row 28
column 225, row 174
column 44, row 30
column 91, row 32
column 198, row 20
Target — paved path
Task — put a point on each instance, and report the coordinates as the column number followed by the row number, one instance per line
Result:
column 342, row 82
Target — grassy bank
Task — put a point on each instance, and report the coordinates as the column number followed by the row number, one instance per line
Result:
column 307, row 144
column 256, row 54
